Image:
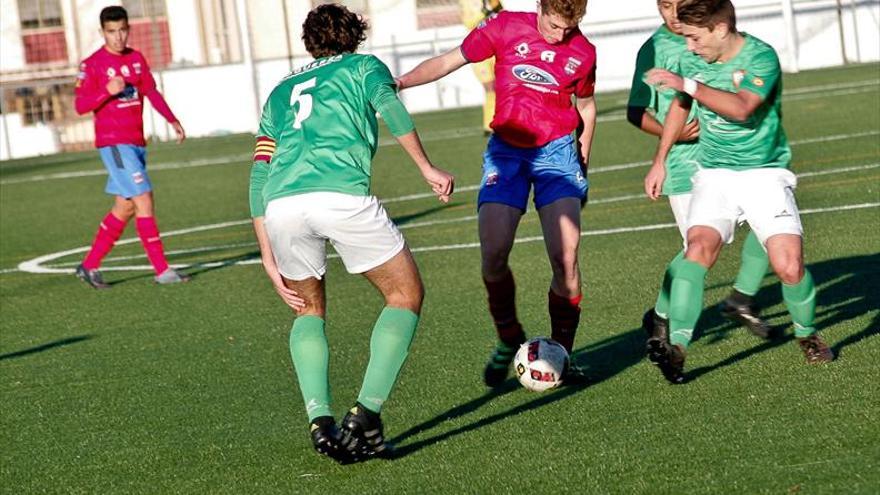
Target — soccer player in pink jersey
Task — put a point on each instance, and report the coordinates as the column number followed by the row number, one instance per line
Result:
column 542, row 60
column 112, row 83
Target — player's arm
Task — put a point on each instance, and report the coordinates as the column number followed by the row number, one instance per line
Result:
column 380, row 89
column 432, row 69
column 736, row 107
column 148, row 86
column 586, row 108
column 642, row 97
column 90, row 94
column 263, row 153
column 672, row 128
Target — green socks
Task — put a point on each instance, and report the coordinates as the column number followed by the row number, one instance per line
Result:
column 389, row 347
column 311, row 358
column 752, row 266
column 686, row 300
column 800, row 299
column 661, row 307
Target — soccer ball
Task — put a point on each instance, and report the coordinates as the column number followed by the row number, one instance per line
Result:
column 539, row 364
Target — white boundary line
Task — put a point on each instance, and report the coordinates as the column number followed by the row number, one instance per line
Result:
column 808, row 92
column 36, row 265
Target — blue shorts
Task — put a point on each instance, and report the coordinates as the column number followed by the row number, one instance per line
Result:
column 509, row 173
column 127, row 169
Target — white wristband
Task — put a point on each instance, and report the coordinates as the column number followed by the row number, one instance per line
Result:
column 690, row 86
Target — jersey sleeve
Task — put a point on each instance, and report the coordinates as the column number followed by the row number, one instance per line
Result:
column 641, row 94
column 762, row 74
column 586, row 85
column 480, row 43
column 89, row 94
column 381, row 92
column 264, row 150
column 148, row 88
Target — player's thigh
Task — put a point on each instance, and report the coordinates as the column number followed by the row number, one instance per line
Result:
column 561, row 225
column 505, row 176
column 556, row 173
column 299, row 251
column 399, row 281
column 680, row 205
column 126, row 169
column 497, row 224
column 359, row 229
column 311, row 289
column 769, row 204
column 713, row 203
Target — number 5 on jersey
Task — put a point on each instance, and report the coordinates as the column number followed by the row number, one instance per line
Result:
column 299, row 95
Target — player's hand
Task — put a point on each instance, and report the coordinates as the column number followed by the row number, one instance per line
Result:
column 690, row 132
column 288, row 295
column 115, row 85
column 441, row 182
column 663, row 79
column 181, row 134
column 654, row 179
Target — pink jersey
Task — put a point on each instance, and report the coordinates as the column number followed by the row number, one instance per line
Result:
column 118, row 118
column 534, row 80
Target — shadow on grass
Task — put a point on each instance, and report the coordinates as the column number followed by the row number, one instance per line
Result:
column 45, row 347
column 605, row 359
column 846, row 289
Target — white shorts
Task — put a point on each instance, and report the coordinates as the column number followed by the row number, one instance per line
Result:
column 681, row 205
column 358, row 227
column 763, row 197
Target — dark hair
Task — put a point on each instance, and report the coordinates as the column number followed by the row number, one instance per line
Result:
column 707, row 13
column 331, row 29
column 112, row 14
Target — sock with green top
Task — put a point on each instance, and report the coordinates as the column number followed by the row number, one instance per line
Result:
column 311, row 359
column 661, row 307
column 389, row 346
column 800, row 299
column 686, row 301
column 752, row 266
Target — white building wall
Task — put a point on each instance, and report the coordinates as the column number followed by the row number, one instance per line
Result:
column 11, row 49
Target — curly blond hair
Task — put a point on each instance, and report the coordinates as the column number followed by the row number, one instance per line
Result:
column 571, row 10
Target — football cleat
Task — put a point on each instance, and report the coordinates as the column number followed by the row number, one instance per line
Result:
column 326, row 439
column 815, row 349
column 91, row 277
column 171, row 276
column 669, row 358
column 574, row 376
column 654, row 325
column 362, row 435
column 742, row 309
column 496, row 369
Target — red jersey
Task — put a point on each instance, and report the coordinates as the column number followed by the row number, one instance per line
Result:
column 118, row 118
column 534, row 80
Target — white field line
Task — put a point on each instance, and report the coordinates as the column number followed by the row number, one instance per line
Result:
column 809, row 92
column 36, row 265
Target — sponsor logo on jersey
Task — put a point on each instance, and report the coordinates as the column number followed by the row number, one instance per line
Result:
column 129, row 93
column 137, row 67
column 738, row 76
column 757, row 81
column 125, row 70
column 548, row 55
column 111, row 72
column 533, row 75
column 522, row 50
column 572, row 65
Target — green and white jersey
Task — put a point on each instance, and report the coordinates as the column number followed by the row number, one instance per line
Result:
column 318, row 130
column 664, row 49
column 760, row 141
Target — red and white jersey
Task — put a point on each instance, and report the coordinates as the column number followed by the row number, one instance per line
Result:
column 118, row 118
column 534, row 80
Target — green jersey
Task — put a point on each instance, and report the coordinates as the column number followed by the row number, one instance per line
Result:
column 759, row 141
column 664, row 49
column 318, row 130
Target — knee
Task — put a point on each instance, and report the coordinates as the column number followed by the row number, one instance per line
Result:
column 564, row 263
column 700, row 251
column 789, row 270
column 409, row 297
column 494, row 264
